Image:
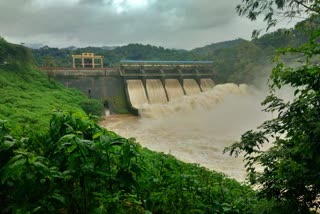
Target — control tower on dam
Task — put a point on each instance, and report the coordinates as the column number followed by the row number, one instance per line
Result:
column 158, row 82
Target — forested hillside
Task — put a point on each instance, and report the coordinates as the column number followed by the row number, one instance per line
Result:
column 62, row 57
column 28, row 96
column 237, row 61
column 209, row 49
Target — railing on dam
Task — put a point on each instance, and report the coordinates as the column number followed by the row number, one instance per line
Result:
column 132, row 68
column 64, row 71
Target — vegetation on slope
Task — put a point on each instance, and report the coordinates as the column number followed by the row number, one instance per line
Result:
column 62, row 57
column 28, row 97
column 79, row 167
column 209, row 49
column 14, row 54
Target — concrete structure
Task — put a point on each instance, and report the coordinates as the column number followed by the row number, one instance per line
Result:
column 86, row 56
column 182, row 72
column 56, row 71
column 111, row 84
column 166, row 69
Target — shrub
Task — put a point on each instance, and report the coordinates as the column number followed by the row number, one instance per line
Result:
column 92, row 106
column 78, row 167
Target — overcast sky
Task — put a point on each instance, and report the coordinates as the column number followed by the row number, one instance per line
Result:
column 169, row 23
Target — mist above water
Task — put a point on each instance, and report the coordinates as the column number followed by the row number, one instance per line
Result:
column 197, row 128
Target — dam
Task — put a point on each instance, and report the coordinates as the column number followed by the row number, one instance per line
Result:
column 138, row 83
column 159, row 82
column 179, row 113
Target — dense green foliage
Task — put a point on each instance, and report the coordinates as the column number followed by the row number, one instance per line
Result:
column 14, row 54
column 93, row 107
column 210, row 49
column 79, row 167
column 112, row 58
column 273, row 10
column 27, row 95
column 290, row 168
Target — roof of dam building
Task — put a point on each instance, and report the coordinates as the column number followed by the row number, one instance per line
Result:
column 142, row 62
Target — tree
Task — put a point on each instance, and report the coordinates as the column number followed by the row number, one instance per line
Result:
column 289, row 172
column 48, row 61
column 272, row 10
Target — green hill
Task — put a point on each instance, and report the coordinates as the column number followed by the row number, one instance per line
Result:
column 209, row 49
column 242, row 61
column 28, row 97
column 62, row 57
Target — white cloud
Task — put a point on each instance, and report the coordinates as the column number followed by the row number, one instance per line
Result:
column 127, row 5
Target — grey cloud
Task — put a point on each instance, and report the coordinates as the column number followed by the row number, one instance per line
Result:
column 170, row 23
column 96, row 2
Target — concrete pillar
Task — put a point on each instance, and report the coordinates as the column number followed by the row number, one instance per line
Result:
column 74, row 62
column 93, row 65
column 101, row 62
column 82, row 62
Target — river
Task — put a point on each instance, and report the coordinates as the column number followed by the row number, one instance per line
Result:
column 197, row 128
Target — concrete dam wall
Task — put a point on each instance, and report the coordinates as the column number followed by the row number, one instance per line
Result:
column 139, row 83
column 107, row 87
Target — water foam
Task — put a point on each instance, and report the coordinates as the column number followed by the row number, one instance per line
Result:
column 205, row 100
column 197, row 128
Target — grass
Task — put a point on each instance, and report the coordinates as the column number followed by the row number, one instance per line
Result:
column 28, row 97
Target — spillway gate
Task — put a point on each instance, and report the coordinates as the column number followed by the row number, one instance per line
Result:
column 158, row 82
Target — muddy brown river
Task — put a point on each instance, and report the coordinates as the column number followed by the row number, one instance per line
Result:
column 197, row 128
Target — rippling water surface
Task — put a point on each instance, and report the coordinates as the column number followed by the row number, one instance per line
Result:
column 197, row 128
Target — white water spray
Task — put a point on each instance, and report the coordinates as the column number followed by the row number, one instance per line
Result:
column 197, row 128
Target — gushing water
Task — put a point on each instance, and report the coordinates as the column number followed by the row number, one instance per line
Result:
column 196, row 102
column 197, row 128
column 174, row 89
column 156, row 91
column 137, row 93
column 191, row 87
column 206, row 84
